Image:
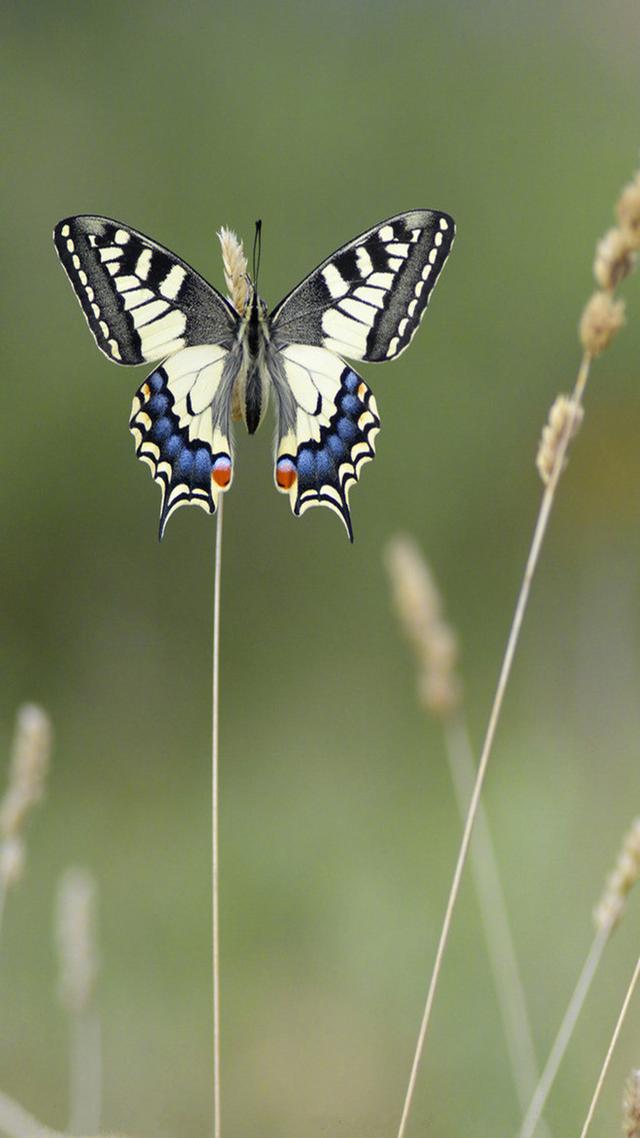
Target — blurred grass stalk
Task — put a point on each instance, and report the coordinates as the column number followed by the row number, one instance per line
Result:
column 419, row 607
column 607, row 916
column 601, row 319
column 15, row 1122
column 29, row 764
column 75, row 921
column 614, row 1039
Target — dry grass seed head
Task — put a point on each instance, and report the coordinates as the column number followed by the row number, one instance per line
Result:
column 620, row 881
column 628, row 210
column 631, row 1106
column 563, row 416
column 12, row 860
column 29, row 764
column 420, row 611
column 235, row 268
column 602, row 318
column 615, row 259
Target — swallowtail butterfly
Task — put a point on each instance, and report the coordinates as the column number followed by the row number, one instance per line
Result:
column 214, row 363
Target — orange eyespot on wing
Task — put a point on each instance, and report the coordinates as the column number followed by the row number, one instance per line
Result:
column 221, row 473
column 286, row 474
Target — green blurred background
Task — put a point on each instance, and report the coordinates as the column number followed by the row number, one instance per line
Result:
column 338, row 823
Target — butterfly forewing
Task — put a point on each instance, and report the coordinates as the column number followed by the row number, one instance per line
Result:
column 141, row 301
column 366, row 300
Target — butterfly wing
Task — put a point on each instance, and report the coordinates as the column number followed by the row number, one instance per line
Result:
column 327, row 423
column 180, row 423
column 367, row 299
column 141, row 301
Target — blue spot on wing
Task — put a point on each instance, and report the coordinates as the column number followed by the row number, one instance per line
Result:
column 171, row 446
column 336, row 446
column 347, row 429
column 305, row 463
column 162, row 428
column 202, row 464
column 325, row 465
column 184, row 463
column 349, row 404
column 158, row 404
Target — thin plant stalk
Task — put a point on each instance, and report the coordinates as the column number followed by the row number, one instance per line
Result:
column 505, row 672
column 215, row 755
column 565, row 1032
column 76, row 938
column 16, row 1122
column 85, row 1091
column 495, row 918
column 607, row 1059
column 3, row 899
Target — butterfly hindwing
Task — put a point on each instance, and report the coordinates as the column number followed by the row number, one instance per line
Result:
column 141, row 301
column 327, row 423
column 180, row 423
column 367, row 299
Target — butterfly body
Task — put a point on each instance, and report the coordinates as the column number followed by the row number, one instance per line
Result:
column 218, row 363
column 256, row 372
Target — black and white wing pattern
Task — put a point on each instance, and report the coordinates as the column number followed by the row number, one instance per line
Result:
column 367, row 299
column 141, row 302
column 327, row 424
column 180, row 421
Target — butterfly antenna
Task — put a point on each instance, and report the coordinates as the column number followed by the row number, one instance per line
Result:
column 257, row 250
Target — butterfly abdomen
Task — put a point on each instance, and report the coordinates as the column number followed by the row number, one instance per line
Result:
column 253, row 382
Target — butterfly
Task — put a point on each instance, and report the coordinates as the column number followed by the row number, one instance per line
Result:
column 215, row 362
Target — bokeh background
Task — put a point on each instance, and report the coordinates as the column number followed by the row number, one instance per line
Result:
column 339, row 828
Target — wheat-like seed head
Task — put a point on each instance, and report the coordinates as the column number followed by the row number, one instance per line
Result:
column 620, row 881
column 601, row 319
column 420, row 611
column 76, row 939
column 30, row 759
column 563, row 416
column 615, row 259
column 235, row 268
column 631, row 1106
column 628, row 210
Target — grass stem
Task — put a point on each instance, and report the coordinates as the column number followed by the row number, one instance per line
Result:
column 610, row 1049
column 215, row 755
column 505, row 672
column 85, row 1092
column 495, row 917
column 15, row 1122
column 565, row 1031
column 3, row 900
